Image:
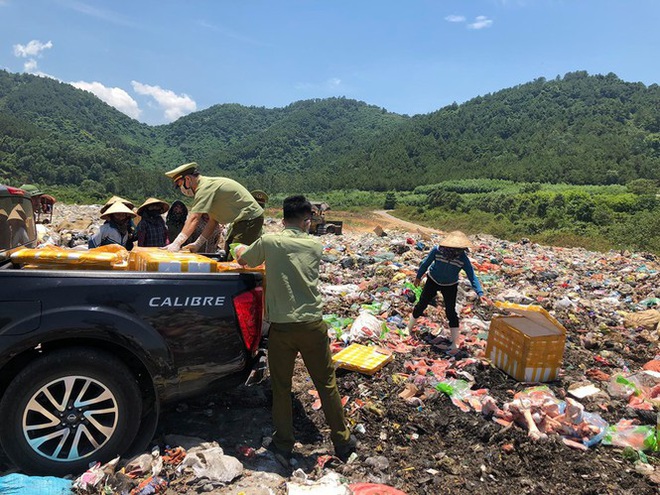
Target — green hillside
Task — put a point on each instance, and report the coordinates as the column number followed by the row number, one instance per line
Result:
column 577, row 129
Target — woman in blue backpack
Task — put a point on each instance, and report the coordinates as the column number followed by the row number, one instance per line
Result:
column 442, row 266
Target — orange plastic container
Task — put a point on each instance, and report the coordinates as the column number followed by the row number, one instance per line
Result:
column 160, row 260
column 529, row 345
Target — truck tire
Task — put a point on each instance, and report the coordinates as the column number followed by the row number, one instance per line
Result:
column 68, row 409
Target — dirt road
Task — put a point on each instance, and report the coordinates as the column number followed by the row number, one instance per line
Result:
column 397, row 222
column 367, row 221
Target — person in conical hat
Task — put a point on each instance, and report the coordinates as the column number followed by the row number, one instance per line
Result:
column 442, row 267
column 224, row 200
column 116, row 229
column 5, row 233
column 152, row 231
column 16, row 221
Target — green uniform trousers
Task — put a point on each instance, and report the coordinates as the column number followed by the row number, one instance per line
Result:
column 285, row 340
column 245, row 232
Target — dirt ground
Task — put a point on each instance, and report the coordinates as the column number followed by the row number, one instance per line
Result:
column 430, row 449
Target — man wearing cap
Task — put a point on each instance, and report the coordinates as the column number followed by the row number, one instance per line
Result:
column 225, row 200
column 260, row 196
column 115, row 230
column 35, row 196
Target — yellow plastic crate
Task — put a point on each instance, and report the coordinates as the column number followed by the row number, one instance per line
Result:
column 161, row 260
column 362, row 358
column 528, row 346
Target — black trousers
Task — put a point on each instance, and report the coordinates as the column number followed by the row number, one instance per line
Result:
column 448, row 295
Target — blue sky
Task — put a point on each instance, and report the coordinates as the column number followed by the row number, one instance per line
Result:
column 157, row 60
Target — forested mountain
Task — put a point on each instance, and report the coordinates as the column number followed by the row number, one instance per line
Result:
column 578, row 129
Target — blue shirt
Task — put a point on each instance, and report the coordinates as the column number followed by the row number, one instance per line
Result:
column 444, row 271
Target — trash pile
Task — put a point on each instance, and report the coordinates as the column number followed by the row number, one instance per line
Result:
column 431, row 421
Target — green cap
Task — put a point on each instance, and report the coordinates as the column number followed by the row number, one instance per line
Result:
column 260, row 196
column 31, row 189
column 186, row 168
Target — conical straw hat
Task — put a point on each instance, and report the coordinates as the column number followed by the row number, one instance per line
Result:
column 17, row 215
column 117, row 207
column 114, row 200
column 456, row 239
column 154, row 201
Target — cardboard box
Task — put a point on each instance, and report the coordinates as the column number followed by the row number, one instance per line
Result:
column 529, row 345
column 362, row 358
column 110, row 257
column 161, row 260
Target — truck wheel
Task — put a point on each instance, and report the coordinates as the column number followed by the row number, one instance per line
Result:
column 68, row 409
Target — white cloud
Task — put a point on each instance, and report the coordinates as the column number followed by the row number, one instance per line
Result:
column 30, row 66
column 175, row 106
column 115, row 97
column 455, row 18
column 481, row 22
column 32, row 49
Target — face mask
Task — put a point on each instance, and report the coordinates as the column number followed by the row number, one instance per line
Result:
column 186, row 191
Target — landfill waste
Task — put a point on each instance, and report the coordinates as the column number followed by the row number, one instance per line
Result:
column 431, row 422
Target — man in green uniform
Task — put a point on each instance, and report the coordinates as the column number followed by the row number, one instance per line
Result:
column 294, row 309
column 224, row 200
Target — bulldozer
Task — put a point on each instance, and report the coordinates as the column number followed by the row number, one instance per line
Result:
column 319, row 224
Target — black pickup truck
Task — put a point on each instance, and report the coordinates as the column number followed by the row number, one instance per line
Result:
column 88, row 357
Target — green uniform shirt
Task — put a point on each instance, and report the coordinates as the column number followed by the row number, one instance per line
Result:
column 225, row 200
column 292, row 270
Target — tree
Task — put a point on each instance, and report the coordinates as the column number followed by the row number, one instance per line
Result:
column 390, row 201
column 642, row 186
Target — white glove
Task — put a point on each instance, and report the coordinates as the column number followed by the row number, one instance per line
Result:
column 193, row 247
column 239, row 250
column 177, row 243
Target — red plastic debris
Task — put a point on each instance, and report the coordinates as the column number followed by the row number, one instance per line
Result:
column 652, row 365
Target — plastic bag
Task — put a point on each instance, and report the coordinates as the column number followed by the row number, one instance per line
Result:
column 21, row 484
column 236, row 249
column 211, row 463
column 417, row 291
column 457, row 390
column 373, row 308
column 337, row 325
column 621, row 387
column 627, row 434
column 366, row 326
column 595, row 419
